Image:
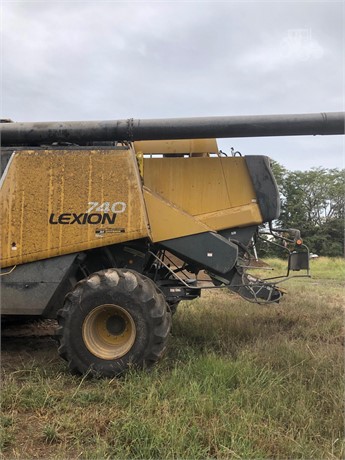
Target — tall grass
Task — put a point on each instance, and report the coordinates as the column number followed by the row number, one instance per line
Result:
column 320, row 268
column 238, row 381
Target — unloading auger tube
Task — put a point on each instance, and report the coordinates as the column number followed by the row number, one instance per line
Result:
column 81, row 132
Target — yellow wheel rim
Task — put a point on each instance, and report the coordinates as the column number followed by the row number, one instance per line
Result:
column 108, row 331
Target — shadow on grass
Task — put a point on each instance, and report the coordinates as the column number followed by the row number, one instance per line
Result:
column 228, row 334
column 24, row 352
column 226, row 326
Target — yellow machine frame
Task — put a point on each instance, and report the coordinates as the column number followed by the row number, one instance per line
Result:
column 61, row 201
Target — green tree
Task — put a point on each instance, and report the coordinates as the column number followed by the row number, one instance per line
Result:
column 314, row 202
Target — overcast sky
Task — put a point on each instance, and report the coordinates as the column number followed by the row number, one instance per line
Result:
column 96, row 60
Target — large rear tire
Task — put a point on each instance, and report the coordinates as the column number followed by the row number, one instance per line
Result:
column 111, row 321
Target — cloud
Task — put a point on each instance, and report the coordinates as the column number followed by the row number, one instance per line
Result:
column 109, row 60
column 294, row 48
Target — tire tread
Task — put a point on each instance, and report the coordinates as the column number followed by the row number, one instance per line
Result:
column 130, row 282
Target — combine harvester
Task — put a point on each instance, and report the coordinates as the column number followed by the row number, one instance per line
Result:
column 106, row 226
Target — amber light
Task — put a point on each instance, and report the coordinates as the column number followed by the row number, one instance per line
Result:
column 299, row 242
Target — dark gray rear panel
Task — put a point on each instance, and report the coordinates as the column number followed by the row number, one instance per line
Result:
column 265, row 186
column 31, row 288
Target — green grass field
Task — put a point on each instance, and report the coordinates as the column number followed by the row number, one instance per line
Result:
column 238, row 381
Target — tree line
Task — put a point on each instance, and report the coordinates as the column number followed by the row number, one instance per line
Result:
column 314, row 202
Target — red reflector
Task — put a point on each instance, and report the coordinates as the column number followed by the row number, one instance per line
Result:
column 299, row 242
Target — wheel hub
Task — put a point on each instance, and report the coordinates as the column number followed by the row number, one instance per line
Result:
column 116, row 325
column 109, row 331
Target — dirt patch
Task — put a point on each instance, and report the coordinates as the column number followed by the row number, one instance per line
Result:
column 20, row 342
column 43, row 328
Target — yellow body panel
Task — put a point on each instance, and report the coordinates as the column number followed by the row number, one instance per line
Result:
column 43, row 190
column 216, row 191
column 237, row 217
column 57, row 202
column 193, row 147
column 167, row 221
